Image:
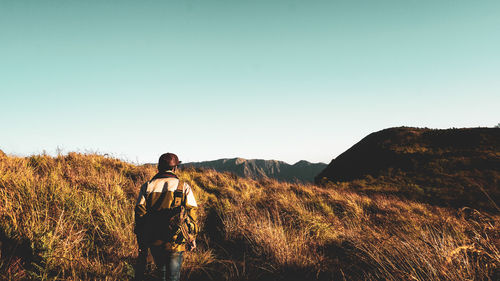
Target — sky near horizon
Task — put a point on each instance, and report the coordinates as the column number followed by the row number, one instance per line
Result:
column 284, row 80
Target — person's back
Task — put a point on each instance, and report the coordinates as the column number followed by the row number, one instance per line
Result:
column 165, row 217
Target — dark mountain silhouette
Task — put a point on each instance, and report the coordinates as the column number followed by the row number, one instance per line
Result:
column 450, row 167
column 303, row 171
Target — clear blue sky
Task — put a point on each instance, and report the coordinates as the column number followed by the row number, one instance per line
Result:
column 208, row 79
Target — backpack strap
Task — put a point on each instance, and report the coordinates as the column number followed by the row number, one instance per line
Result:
column 182, row 187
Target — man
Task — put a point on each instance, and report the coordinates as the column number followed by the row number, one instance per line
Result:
column 165, row 220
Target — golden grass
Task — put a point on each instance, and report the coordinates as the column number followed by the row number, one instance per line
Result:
column 71, row 218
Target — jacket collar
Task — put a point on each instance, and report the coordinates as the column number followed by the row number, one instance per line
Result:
column 165, row 174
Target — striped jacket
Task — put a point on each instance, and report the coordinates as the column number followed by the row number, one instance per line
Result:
column 158, row 200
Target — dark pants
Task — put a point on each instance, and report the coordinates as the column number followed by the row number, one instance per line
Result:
column 142, row 259
column 168, row 263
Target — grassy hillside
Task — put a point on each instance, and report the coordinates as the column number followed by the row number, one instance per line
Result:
column 453, row 167
column 70, row 218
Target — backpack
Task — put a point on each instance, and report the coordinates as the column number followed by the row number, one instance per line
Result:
column 180, row 224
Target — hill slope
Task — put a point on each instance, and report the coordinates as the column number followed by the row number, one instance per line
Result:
column 70, row 218
column 303, row 171
column 455, row 166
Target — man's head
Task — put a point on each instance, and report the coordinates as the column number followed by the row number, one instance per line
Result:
column 168, row 161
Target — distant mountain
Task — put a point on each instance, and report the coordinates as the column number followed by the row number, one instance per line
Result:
column 454, row 166
column 303, row 171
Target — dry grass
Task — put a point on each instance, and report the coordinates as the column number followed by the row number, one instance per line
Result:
column 70, row 218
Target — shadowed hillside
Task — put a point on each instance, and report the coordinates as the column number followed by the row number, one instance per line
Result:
column 70, row 218
column 302, row 171
column 457, row 167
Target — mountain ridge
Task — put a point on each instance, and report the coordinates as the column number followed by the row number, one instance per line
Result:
column 303, row 171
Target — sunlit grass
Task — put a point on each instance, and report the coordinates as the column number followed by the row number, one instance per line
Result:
column 71, row 218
